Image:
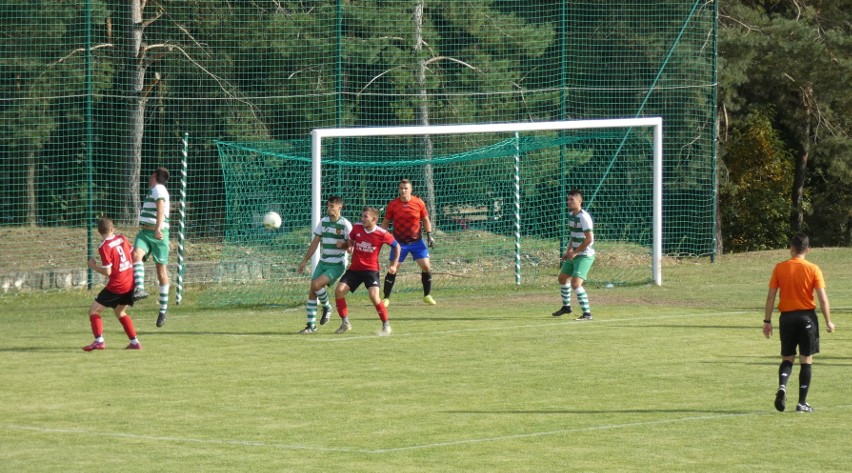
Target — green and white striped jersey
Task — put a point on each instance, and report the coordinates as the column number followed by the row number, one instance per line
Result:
column 578, row 225
column 330, row 233
column 148, row 216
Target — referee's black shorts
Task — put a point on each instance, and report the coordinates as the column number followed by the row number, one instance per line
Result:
column 799, row 328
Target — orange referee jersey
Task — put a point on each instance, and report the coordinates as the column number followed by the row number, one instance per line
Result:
column 797, row 279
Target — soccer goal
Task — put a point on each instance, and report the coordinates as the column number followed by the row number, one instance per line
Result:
column 627, row 167
column 495, row 193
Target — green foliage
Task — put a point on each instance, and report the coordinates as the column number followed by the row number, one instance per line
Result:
column 754, row 194
column 262, row 70
column 797, row 58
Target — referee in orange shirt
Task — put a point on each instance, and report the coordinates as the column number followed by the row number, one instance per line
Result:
column 799, row 326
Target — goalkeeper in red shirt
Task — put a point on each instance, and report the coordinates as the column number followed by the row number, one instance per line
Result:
column 406, row 213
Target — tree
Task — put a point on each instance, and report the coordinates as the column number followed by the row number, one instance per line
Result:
column 133, row 57
column 797, row 56
column 755, row 184
column 30, row 77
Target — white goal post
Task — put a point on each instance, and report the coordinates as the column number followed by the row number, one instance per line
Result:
column 317, row 136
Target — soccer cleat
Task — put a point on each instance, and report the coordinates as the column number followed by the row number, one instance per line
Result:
column 385, row 331
column 386, row 302
column 309, row 329
column 780, row 399
column 133, row 346
column 564, row 310
column 344, row 327
column 161, row 318
column 585, row 316
column 326, row 314
column 95, row 346
column 139, row 294
column 429, row 300
column 804, row 407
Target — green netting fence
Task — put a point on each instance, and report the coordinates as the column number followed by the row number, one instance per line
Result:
column 96, row 94
column 497, row 204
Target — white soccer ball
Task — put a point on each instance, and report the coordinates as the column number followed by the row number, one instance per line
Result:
column 272, row 221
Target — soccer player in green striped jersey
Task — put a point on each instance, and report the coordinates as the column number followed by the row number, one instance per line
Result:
column 332, row 262
column 153, row 239
column 578, row 258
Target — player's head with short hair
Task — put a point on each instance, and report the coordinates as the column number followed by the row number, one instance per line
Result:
column 161, row 175
column 105, row 226
column 369, row 217
column 800, row 243
column 374, row 212
column 333, row 206
column 575, row 200
column 405, row 189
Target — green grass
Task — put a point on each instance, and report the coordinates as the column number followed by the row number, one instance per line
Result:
column 675, row 378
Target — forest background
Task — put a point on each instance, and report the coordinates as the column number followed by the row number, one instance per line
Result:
column 782, row 100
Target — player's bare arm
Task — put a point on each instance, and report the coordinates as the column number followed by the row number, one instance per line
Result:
column 161, row 216
column 427, row 225
column 311, row 249
column 767, row 311
column 824, row 307
column 395, row 250
column 93, row 263
column 570, row 253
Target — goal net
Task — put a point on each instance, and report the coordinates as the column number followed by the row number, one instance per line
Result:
column 496, row 196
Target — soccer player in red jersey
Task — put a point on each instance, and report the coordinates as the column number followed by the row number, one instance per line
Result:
column 406, row 212
column 365, row 242
column 117, row 265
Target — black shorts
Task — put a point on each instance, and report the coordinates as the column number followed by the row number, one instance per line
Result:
column 112, row 300
column 799, row 328
column 353, row 279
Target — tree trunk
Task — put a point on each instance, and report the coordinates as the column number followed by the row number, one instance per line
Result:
column 31, row 191
column 423, row 108
column 133, row 86
column 849, row 229
column 801, row 167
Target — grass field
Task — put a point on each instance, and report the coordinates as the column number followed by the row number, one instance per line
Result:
column 671, row 378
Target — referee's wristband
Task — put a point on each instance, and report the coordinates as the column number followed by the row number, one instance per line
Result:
column 767, row 321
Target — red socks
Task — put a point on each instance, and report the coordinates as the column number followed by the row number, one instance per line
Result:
column 342, row 311
column 127, row 323
column 383, row 312
column 97, row 325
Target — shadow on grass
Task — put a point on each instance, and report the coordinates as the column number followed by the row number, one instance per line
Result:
column 774, row 360
column 32, row 349
column 610, row 411
column 691, row 327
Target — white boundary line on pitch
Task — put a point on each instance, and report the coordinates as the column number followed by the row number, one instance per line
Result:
column 249, row 443
column 536, row 325
column 156, row 438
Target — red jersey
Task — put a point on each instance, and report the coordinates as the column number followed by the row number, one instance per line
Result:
column 115, row 254
column 406, row 218
column 368, row 245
